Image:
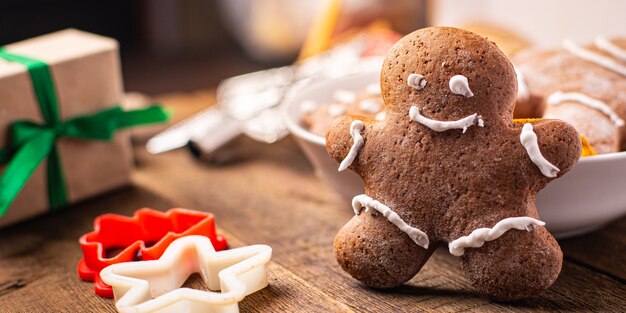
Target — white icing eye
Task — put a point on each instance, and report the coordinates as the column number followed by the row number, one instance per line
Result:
column 416, row 81
column 460, row 86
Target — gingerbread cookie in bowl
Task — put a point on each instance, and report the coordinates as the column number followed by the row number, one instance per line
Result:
column 581, row 84
column 447, row 166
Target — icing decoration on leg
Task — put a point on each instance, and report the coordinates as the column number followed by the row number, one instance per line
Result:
column 440, row 126
column 528, row 138
column 522, row 88
column 479, row 236
column 560, row 97
column 459, row 85
column 355, row 131
column 416, row 81
column 605, row 44
column 593, row 57
column 363, row 201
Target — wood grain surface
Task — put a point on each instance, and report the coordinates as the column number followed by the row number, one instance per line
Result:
column 270, row 195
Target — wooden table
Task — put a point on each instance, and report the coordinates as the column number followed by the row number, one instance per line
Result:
column 272, row 196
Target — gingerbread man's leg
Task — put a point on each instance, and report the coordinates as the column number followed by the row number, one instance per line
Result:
column 377, row 253
column 517, row 265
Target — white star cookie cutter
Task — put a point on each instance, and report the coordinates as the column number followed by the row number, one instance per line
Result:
column 155, row 286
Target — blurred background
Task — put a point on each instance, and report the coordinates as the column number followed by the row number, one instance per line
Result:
column 182, row 45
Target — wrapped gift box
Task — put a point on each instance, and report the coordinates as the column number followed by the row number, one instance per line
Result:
column 86, row 72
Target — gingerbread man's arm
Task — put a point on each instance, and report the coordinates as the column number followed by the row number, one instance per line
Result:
column 341, row 138
column 558, row 142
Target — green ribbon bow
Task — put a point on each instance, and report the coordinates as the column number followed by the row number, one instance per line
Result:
column 31, row 143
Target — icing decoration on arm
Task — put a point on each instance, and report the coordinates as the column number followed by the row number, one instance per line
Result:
column 605, row 44
column 479, row 236
column 369, row 105
column 528, row 138
column 336, row 110
column 355, row 131
column 344, row 96
column 440, row 126
column 459, row 85
column 560, row 97
column 522, row 88
column 593, row 57
column 416, row 81
column 363, row 201
column 373, row 89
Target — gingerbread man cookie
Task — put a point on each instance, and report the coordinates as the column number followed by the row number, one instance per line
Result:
column 447, row 166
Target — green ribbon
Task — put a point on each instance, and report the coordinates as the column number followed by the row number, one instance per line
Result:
column 30, row 143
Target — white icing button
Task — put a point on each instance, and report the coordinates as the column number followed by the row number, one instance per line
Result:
column 593, row 57
column 356, row 127
column 380, row 116
column 373, row 89
column 363, row 201
column 344, row 96
column 459, row 85
column 528, row 138
column 155, row 286
column 479, row 236
column 440, row 126
column 370, row 105
column 605, row 44
column 416, row 81
column 522, row 88
column 336, row 109
column 559, row 97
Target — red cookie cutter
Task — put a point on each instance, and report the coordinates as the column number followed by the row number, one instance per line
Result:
column 145, row 236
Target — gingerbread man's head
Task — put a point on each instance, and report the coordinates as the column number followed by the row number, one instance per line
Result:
column 421, row 67
column 448, row 166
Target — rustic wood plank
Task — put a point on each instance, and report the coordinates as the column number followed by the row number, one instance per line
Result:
column 38, row 257
column 603, row 250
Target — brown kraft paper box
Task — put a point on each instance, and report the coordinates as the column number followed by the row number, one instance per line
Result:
column 87, row 75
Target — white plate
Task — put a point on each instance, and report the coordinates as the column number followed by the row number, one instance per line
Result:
column 592, row 194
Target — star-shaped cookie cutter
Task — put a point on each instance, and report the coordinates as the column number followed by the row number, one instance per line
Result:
column 145, row 236
column 155, row 286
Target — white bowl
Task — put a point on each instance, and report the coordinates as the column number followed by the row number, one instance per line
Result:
column 590, row 195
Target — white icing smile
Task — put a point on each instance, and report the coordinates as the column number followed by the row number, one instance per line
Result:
column 459, row 85
column 416, row 81
column 355, row 131
column 363, row 201
column 560, row 97
column 479, row 236
column 528, row 138
column 440, row 126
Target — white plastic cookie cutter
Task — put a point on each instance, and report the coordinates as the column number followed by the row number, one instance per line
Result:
column 155, row 286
